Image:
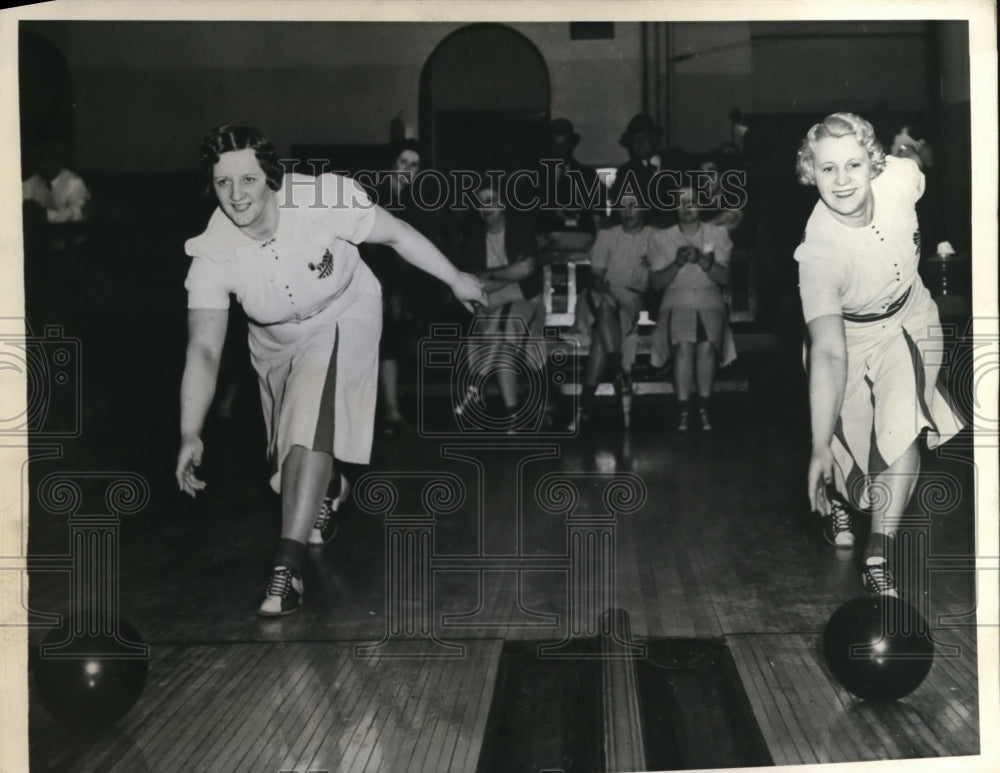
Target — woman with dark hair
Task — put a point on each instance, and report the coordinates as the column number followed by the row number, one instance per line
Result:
column 228, row 138
column 690, row 263
column 873, row 356
column 500, row 251
column 285, row 246
column 608, row 311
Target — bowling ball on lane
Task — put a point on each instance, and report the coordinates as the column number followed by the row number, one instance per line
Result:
column 90, row 681
column 878, row 647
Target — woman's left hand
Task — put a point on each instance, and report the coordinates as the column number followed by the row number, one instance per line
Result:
column 706, row 260
column 188, row 460
column 469, row 290
column 820, row 474
column 599, row 285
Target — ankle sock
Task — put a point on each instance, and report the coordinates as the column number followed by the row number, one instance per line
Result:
column 881, row 554
column 290, row 554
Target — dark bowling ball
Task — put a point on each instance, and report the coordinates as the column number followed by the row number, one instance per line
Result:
column 90, row 681
column 878, row 647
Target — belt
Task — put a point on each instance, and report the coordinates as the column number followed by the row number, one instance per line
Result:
column 895, row 306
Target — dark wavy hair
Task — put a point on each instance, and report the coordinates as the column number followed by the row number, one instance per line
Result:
column 227, row 138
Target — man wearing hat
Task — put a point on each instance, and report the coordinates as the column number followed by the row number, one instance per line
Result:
column 568, row 191
column 641, row 139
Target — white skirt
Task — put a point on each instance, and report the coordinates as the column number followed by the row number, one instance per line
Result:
column 319, row 383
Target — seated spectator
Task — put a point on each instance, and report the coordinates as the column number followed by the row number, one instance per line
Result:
column 500, row 251
column 608, row 311
column 690, row 262
column 718, row 213
column 55, row 209
column 566, row 188
column 60, row 193
column 911, row 142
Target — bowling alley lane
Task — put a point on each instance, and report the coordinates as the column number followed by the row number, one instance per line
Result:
column 721, row 581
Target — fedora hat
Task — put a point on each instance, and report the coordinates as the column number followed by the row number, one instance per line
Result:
column 562, row 126
column 641, row 122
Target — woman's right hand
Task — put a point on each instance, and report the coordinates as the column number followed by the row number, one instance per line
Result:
column 820, row 474
column 188, row 460
column 468, row 289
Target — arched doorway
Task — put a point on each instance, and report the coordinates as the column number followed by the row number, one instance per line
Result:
column 483, row 93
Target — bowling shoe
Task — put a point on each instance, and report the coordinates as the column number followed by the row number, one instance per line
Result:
column 325, row 527
column 283, row 594
column 877, row 578
column 838, row 528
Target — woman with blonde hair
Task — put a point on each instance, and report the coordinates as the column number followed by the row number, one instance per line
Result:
column 873, row 354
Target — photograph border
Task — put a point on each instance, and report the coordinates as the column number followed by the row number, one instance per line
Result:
column 983, row 106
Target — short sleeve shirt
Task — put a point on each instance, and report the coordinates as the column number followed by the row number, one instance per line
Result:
column 618, row 255
column 310, row 262
column 709, row 238
column 863, row 270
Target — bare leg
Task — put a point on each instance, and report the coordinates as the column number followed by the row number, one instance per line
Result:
column 706, row 360
column 507, row 380
column 595, row 361
column 479, row 361
column 492, row 362
column 683, row 370
column 609, row 328
column 305, row 476
column 898, row 483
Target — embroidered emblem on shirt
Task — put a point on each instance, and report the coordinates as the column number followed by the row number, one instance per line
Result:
column 325, row 266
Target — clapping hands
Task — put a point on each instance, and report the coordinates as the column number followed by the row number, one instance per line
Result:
column 690, row 254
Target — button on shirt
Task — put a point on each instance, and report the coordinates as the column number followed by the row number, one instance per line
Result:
column 863, row 270
column 309, row 263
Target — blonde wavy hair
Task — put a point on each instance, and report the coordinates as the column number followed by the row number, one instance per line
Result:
column 839, row 125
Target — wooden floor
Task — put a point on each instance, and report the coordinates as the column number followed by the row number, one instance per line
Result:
column 719, row 544
column 315, row 707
